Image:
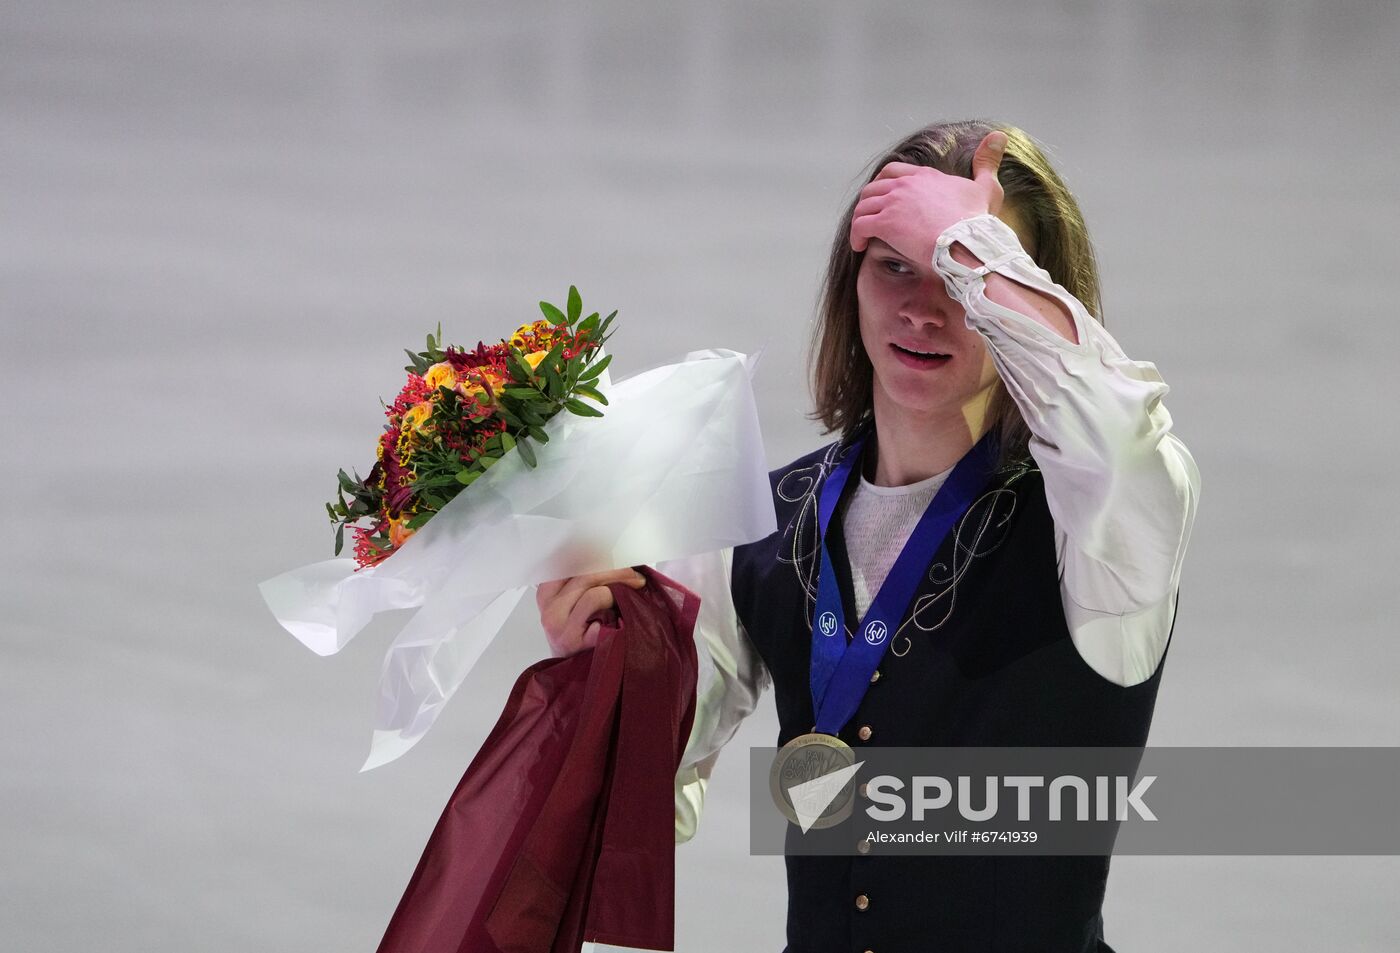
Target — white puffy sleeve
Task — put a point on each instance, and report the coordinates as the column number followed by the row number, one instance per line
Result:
column 730, row 680
column 1122, row 488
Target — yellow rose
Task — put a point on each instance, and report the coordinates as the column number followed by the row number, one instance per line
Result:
column 440, row 375
column 534, row 358
column 417, row 416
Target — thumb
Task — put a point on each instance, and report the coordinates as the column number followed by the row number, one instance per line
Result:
column 988, row 156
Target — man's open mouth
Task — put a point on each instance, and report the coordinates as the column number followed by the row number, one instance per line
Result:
column 921, row 357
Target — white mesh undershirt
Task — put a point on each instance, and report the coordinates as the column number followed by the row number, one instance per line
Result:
column 876, row 524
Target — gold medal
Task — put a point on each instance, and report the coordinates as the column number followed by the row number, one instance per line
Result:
column 795, row 780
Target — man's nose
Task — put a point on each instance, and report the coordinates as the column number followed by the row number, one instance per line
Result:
column 929, row 304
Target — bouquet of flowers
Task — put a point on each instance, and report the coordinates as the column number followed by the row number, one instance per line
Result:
column 460, row 412
column 580, row 765
column 672, row 469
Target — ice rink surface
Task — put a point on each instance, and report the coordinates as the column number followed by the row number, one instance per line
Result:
column 221, row 224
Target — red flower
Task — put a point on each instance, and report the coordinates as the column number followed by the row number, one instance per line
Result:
column 484, row 356
column 398, row 491
column 366, row 552
column 414, row 392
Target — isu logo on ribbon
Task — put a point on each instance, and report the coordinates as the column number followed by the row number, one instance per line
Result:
column 875, row 632
column 827, row 623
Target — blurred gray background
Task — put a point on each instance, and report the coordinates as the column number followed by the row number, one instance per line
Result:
column 222, row 222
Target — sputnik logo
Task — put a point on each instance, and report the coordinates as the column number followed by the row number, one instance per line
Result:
column 810, row 799
column 811, row 780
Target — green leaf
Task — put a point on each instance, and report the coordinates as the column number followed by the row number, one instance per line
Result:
column 588, row 323
column 507, row 442
column 527, row 453
column 530, row 416
column 512, row 421
column 539, row 434
column 432, row 483
column 418, row 521
column 466, row 476
column 595, row 369
column 519, row 370
column 552, row 313
column 606, row 321
column 575, row 304
column 582, row 409
column 339, row 538
column 555, row 383
column 521, row 393
column 587, row 391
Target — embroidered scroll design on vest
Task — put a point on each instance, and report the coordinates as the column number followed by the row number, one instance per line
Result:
column 801, row 541
column 987, row 532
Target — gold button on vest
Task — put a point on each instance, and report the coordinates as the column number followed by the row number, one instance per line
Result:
column 864, row 733
column 862, row 902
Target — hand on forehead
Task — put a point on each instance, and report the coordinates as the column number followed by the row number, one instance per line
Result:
column 907, row 206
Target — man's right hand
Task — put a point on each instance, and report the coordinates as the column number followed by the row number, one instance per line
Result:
column 566, row 604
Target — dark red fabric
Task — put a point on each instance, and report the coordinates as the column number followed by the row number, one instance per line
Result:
column 562, row 828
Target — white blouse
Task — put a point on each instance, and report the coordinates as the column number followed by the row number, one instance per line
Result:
column 1122, row 489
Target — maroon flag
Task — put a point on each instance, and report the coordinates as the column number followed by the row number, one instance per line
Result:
column 562, row 829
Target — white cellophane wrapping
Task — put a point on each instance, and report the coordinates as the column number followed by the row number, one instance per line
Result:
column 674, row 468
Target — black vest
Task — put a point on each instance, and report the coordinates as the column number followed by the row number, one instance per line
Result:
column 988, row 661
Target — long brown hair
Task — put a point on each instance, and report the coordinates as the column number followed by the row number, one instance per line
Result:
column 841, row 374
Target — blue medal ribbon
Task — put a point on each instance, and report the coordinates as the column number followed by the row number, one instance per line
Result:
column 841, row 672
